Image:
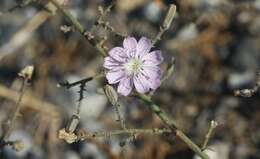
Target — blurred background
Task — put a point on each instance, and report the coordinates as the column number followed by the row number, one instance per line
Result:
column 216, row 47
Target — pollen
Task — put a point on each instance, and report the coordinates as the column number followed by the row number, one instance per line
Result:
column 133, row 66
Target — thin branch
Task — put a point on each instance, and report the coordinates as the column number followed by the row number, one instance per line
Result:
column 81, row 96
column 213, row 125
column 15, row 113
column 105, row 24
column 171, row 124
column 101, row 22
column 26, row 75
column 71, row 137
column 169, row 70
column 83, row 135
column 107, row 10
column 119, row 116
column 82, row 84
column 74, row 120
column 103, row 12
column 79, row 27
column 113, row 99
column 69, row 85
column 78, row 107
column 166, row 23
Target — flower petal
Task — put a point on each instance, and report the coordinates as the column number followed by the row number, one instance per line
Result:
column 110, row 63
column 130, row 43
column 154, row 83
column 152, row 75
column 125, row 86
column 153, row 58
column 119, row 54
column 143, row 47
column 140, row 83
column 115, row 76
column 152, row 72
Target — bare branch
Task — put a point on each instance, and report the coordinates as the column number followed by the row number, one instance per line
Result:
column 213, row 125
column 83, row 135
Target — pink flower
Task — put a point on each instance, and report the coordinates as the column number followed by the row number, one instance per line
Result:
column 134, row 65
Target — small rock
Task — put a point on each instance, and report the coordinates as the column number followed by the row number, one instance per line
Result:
column 237, row 80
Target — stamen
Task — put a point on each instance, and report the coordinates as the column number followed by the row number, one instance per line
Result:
column 133, row 66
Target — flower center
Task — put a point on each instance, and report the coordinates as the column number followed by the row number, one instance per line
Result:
column 133, row 66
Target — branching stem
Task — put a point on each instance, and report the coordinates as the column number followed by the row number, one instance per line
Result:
column 87, row 135
column 171, row 124
column 155, row 108
column 79, row 27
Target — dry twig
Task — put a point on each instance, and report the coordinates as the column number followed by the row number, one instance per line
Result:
column 213, row 125
column 26, row 75
column 86, row 135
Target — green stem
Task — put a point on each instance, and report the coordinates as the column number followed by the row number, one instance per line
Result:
column 171, row 124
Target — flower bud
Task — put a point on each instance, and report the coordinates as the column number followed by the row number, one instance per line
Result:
column 111, row 94
column 169, row 16
column 27, row 72
column 73, row 123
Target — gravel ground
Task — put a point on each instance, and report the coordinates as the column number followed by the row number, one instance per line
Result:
column 216, row 49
